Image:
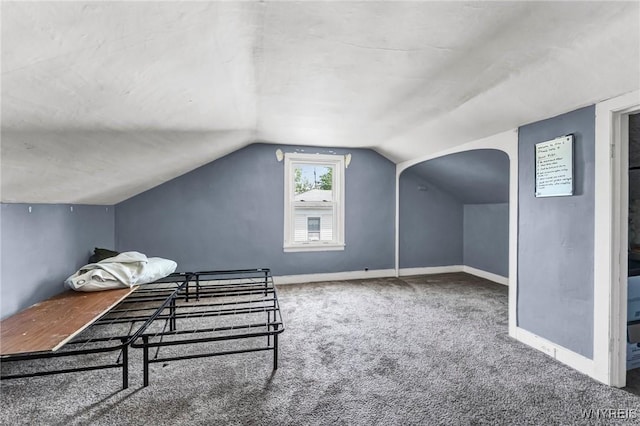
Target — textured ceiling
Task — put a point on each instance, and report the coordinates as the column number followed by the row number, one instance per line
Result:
column 103, row 100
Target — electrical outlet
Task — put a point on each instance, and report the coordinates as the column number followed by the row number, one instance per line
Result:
column 551, row 351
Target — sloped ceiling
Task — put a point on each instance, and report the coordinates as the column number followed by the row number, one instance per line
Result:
column 103, row 100
column 478, row 176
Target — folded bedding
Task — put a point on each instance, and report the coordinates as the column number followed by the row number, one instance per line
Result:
column 127, row 269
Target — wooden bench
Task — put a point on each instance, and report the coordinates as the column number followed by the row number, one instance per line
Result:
column 47, row 326
column 39, row 331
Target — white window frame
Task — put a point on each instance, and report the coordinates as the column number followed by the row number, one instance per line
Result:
column 290, row 162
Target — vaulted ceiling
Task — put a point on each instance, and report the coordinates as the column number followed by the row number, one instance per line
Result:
column 103, row 100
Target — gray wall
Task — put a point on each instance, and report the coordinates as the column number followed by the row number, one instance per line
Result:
column 42, row 248
column 431, row 224
column 555, row 239
column 486, row 237
column 229, row 214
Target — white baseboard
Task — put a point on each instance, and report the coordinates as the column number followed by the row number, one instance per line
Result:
column 486, row 275
column 384, row 273
column 334, row 276
column 403, row 272
column 564, row 355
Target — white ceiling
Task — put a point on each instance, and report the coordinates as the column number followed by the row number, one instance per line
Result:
column 103, row 100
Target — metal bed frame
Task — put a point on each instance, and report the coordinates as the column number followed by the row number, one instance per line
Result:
column 103, row 336
column 199, row 309
column 225, row 306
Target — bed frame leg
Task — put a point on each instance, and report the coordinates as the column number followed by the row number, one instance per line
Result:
column 266, row 293
column 275, row 349
column 172, row 315
column 125, row 364
column 268, row 328
column 197, row 287
column 145, row 360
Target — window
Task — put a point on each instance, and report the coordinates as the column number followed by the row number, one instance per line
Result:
column 313, row 228
column 314, row 202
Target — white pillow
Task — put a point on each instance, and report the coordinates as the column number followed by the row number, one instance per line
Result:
column 155, row 269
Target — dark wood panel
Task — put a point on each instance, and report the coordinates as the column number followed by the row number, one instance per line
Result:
column 48, row 325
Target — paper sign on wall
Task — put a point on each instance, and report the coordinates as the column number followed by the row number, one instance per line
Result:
column 554, row 167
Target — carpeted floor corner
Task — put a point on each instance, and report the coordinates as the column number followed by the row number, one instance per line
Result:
column 418, row 350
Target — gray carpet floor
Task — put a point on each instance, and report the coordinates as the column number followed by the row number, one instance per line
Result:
column 417, row 350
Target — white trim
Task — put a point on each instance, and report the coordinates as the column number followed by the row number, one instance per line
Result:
column 562, row 354
column 334, row 276
column 620, row 243
column 429, row 270
column 513, row 233
column 386, row 273
column 314, row 247
column 609, row 318
column 486, row 275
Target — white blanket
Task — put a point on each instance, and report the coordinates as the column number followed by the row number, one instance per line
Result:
column 124, row 270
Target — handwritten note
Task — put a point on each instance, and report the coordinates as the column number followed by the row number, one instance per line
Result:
column 554, row 167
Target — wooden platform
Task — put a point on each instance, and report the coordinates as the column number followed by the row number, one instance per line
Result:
column 48, row 325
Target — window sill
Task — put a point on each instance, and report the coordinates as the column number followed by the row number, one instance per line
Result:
column 313, row 247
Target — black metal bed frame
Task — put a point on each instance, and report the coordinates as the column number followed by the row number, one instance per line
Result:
column 242, row 295
column 227, row 305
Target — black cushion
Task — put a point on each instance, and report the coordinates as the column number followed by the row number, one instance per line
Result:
column 101, row 254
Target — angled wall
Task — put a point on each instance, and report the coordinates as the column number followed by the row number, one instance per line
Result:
column 486, row 237
column 230, row 214
column 556, row 239
column 42, row 247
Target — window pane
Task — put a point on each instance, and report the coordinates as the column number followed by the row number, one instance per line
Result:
column 313, row 224
column 313, row 182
